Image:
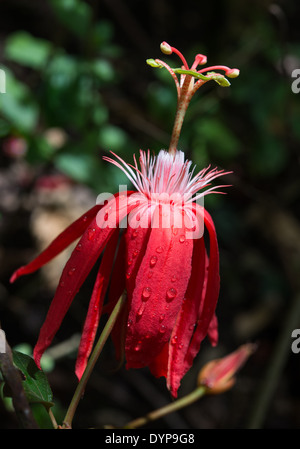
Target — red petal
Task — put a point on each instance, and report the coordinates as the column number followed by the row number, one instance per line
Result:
column 74, row 274
column 159, row 366
column 160, row 287
column 95, row 306
column 186, row 321
column 212, row 332
column 117, row 284
column 68, row 236
column 211, row 295
column 136, row 244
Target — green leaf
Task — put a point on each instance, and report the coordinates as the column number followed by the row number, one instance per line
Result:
column 78, row 166
column 35, row 383
column 27, row 50
column 112, row 138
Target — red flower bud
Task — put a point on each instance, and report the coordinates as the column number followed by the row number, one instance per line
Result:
column 218, row 375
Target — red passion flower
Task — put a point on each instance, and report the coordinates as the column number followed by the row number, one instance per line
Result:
column 151, row 245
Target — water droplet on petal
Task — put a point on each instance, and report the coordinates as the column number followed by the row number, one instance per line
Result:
column 62, row 284
column 159, row 249
column 146, row 293
column 85, row 218
column 174, row 278
column 162, row 329
column 134, row 234
column 171, row 293
column 180, row 346
column 162, row 317
column 138, row 346
column 174, row 340
column 78, row 247
column 182, row 238
column 135, row 252
column 72, row 271
column 153, row 261
column 191, row 327
column 141, row 309
column 150, row 274
column 129, row 261
column 129, row 323
column 128, row 274
column 91, row 233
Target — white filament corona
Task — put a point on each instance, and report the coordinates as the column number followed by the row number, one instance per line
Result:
column 168, row 174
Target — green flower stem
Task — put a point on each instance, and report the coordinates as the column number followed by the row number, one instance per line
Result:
column 92, row 361
column 176, row 405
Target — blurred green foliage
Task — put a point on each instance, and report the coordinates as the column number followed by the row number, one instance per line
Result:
column 61, row 91
column 81, row 87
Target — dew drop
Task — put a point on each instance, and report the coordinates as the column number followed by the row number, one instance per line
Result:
column 180, row 346
column 129, row 323
column 159, row 249
column 174, row 278
column 85, row 218
column 161, row 317
column 171, row 293
column 135, row 253
column 150, row 274
column 134, row 234
column 153, row 261
column 129, row 261
column 141, row 309
column 78, row 247
column 162, row 329
column 62, row 284
column 91, row 233
column 191, row 327
column 182, row 238
column 146, row 293
column 72, row 271
column 138, row 346
column 128, row 274
column 174, row 340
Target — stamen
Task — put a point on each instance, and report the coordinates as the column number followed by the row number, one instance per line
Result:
column 231, row 73
column 199, row 60
column 167, row 49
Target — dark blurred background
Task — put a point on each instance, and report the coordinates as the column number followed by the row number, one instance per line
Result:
column 78, row 86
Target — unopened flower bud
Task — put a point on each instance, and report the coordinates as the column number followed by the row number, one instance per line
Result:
column 218, row 375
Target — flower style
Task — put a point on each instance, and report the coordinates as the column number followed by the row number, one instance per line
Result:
column 153, row 249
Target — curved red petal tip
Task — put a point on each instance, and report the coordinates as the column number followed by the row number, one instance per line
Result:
column 15, row 275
